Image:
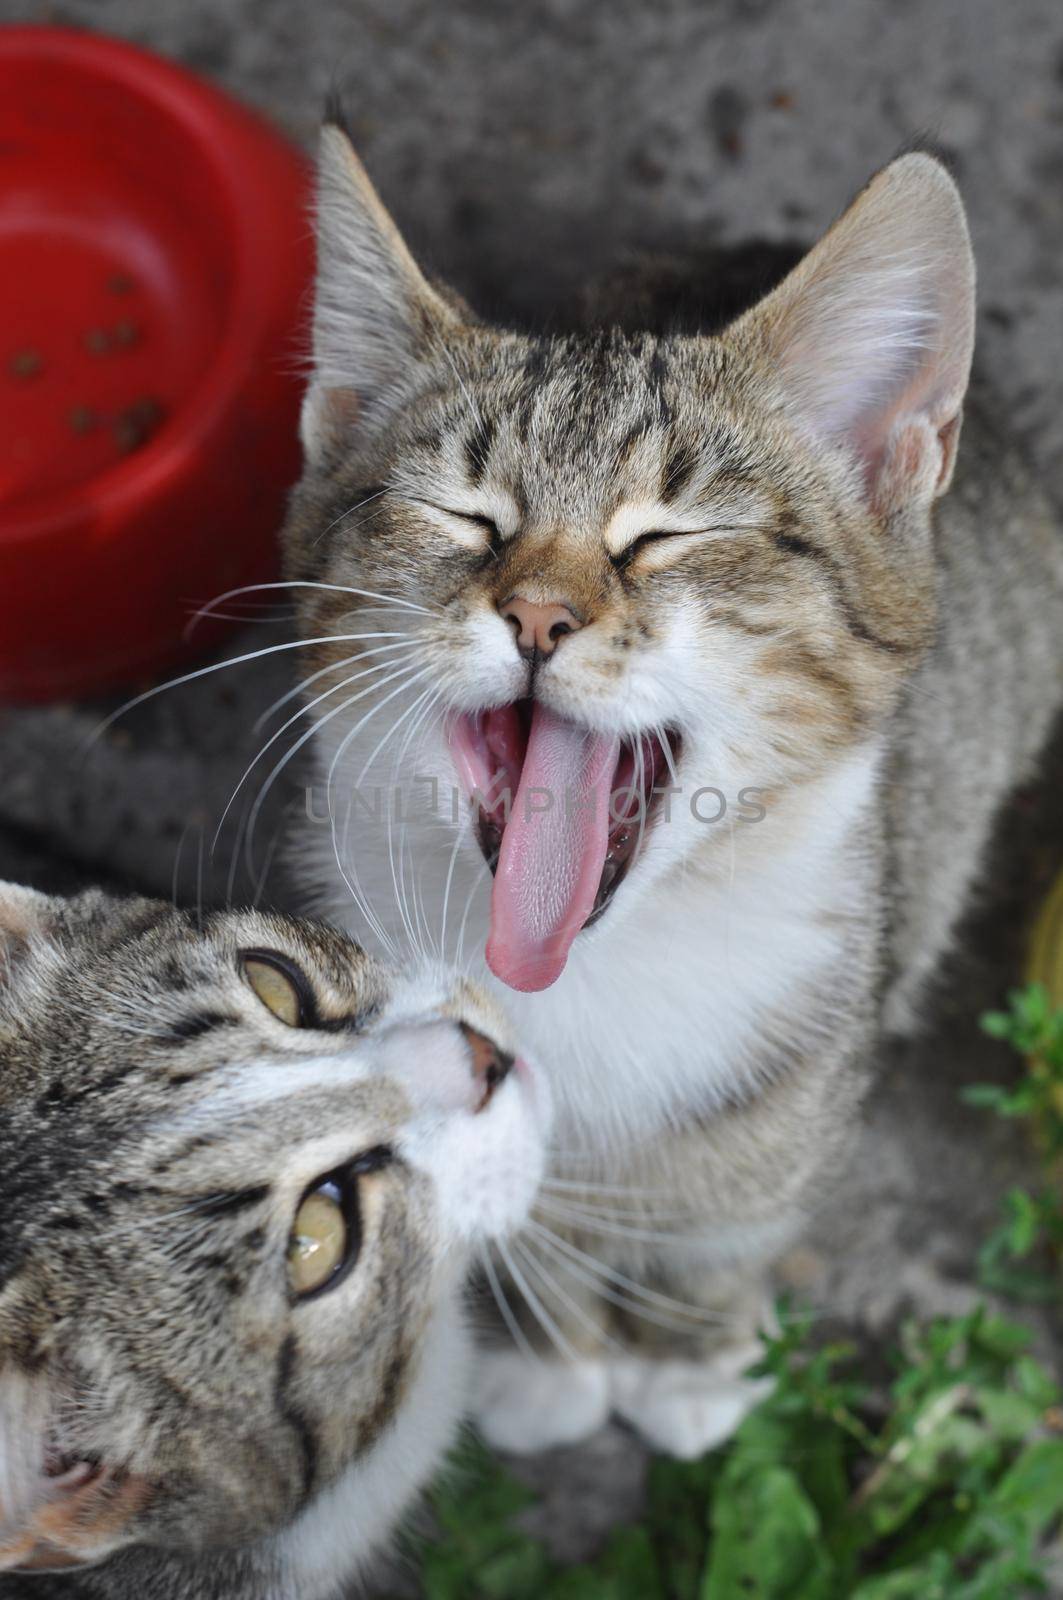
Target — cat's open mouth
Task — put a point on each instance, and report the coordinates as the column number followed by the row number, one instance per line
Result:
column 561, row 812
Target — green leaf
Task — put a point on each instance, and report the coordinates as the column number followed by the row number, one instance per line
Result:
column 928, row 1580
column 999, row 1336
column 766, row 1543
column 1038, row 1386
column 988, row 1096
column 1033, row 1488
column 955, row 1490
column 679, row 1494
column 1010, row 1415
column 518, row 1572
column 997, row 1271
column 580, row 1583
column 630, row 1564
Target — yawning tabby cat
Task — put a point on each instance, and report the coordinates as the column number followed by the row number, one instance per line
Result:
column 755, row 687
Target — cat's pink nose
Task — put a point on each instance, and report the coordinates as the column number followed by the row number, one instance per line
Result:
column 538, row 628
column 490, row 1065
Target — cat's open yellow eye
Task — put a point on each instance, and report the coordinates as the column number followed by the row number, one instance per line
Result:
column 326, row 1236
column 318, row 1247
column 278, row 984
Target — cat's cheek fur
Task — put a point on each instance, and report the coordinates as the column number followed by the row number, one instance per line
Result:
column 24, row 1417
column 485, row 1161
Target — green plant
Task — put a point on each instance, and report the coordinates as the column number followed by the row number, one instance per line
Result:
column 941, row 1489
column 1022, row 1257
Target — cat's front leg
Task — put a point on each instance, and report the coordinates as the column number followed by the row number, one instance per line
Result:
column 586, row 1334
column 681, row 1380
column 641, row 1291
column 543, row 1377
column 744, row 1182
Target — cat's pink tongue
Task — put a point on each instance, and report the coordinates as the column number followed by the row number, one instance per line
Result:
column 553, row 850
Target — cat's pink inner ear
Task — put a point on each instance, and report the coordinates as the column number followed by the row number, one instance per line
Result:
column 871, row 335
column 375, row 313
column 80, row 1518
column 24, row 1416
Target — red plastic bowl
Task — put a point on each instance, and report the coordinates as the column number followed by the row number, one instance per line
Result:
column 155, row 262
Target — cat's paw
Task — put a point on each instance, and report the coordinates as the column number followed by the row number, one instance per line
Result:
column 683, row 1408
column 523, row 1405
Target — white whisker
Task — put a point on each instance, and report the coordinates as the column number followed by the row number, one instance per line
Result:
column 651, row 1296
column 336, row 688
column 536, row 1307
column 595, row 1329
column 614, row 1227
column 348, row 739
column 628, row 1192
column 348, row 513
column 602, row 1287
column 354, row 885
column 203, row 672
column 446, row 890
column 474, row 889
column 517, row 1334
column 336, row 666
column 401, row 672
column 333, row 588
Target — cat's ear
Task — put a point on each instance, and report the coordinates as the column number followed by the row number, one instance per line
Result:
column 25, row 915
column 871, row 335
column 374, row 311
column 79, row 1517
column 54, row 1515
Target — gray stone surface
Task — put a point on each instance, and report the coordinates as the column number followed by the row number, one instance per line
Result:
column 523, row 146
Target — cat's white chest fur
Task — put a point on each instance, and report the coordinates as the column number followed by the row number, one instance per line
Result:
column 664, row 1009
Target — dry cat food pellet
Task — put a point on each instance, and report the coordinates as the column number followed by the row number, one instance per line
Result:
column 120, row 283
column 82, row 419
column 25, row 364
column 134, row 426
column 97, row 340
column 126, row 333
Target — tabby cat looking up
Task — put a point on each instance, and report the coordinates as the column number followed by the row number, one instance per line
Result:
column 242, row 1170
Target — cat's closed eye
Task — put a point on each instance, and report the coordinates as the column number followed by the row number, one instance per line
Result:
column 326, row 1236
column 477, row 519
column 622, row 558
column 280, row 985
column 461, row 524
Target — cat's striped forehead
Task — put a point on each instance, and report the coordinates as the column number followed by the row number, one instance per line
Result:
column 565, row 430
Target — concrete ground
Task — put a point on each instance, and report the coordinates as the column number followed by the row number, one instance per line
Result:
column 523, row 146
